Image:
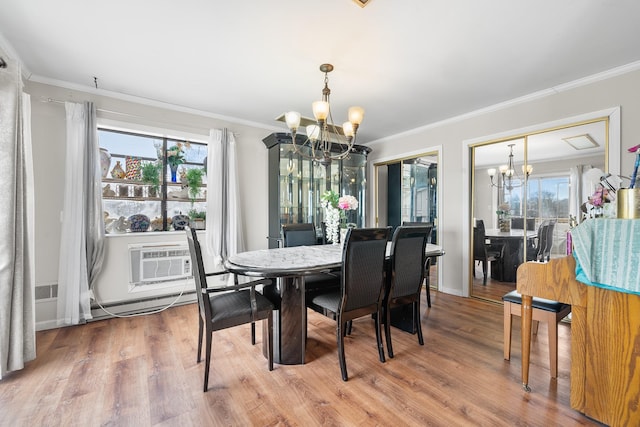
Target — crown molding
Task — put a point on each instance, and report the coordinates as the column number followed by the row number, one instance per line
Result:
column 594, row 78
column 149, row 102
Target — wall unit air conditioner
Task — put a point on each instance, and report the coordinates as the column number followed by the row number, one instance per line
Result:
column 158, row 263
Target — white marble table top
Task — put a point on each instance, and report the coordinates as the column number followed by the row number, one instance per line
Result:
column 513, row 233
column 295, row 261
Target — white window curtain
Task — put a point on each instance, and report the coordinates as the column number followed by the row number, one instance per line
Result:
column 17, row 271
column 224, row 231
column 82, row 241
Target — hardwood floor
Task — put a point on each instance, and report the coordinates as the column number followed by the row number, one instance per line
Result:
column 142, row 371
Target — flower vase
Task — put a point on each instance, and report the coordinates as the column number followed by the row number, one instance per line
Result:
column 174, row 171
column 504, row 225
column 343, row 236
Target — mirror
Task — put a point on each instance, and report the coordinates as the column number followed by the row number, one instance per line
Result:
column 526, row 191
column 406, row 190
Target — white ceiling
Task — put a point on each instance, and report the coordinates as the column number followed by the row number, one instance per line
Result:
column 409, row 63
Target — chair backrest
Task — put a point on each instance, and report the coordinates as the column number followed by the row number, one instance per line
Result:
column 420, row 224
column 547, row 239
column 407, row 260
column 518, row 223
column 199, row 275
column 363, row 258
column 479, row 246
column 480, row 224
column 303, row 234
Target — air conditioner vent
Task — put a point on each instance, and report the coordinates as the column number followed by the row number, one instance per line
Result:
column 158, row 263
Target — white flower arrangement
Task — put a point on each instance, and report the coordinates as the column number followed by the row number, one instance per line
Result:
column 335, row 208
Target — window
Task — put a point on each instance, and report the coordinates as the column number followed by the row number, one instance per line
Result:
column 130, row 159
column 547, row 197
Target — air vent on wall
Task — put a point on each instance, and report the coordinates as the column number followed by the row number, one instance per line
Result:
column 158, row 263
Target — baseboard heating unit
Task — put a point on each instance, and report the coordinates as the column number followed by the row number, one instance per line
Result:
column 141, row 305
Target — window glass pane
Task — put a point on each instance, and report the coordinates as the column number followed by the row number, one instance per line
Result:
column 132, row 192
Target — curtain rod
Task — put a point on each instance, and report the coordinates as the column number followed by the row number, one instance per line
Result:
column 201, row 131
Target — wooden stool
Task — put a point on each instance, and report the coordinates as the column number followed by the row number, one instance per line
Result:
column 544, row 310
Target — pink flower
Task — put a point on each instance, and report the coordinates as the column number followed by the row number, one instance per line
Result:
column 347, row 203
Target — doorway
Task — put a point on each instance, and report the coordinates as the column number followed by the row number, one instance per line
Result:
column 406, row 189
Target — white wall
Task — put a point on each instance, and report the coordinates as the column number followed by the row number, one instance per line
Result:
column 49, row 134
column 48, row 123
column 565, row 102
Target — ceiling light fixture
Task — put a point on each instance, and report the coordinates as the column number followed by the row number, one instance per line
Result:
column 581, row 142
column 508, row 173
column 362, row 3
column 324, row 140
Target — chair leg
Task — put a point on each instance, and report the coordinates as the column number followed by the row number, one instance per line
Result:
column 507, row 330
column 253, row 333
column 200, row 330
column 207, row 362
column 348, row 327
column 379, row 336
column 427, row 282
column 387, row 329
column 484, row 271
column 552, row 326
column 340, row 335
column 418, row 323
column 269, row 341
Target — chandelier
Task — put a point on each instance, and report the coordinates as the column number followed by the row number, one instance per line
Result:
column 509, row 173
column 324, row 140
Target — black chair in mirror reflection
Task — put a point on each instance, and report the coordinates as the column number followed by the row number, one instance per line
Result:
column 517, row 223
column 226, row 306
column 404, row 277
column 361, row 289
column 304, row 234
column 484, row 252
column 428, row 261
column 540, row 248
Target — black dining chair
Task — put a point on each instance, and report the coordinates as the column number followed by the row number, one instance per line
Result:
column 429, row 261
column 224, row 307
column 304, row 234
column 404, row 277
column 300, row 234
column 361, row 288
column 540, row 248
column 485, row 253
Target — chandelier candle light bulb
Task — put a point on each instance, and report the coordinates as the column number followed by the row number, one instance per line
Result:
column 325, row 140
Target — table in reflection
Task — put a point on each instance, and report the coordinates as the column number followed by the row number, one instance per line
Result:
column 513, row 256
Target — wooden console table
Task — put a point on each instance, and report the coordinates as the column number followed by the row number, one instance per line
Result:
column 605, row 340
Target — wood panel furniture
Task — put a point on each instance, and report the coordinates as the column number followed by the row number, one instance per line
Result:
column 605, row 340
